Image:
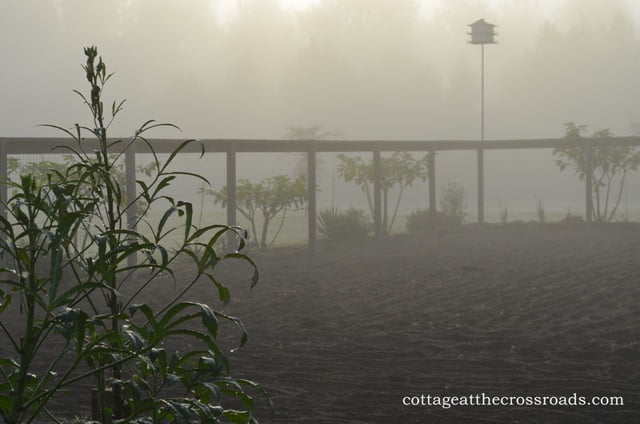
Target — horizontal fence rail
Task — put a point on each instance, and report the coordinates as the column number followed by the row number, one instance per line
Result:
column 24, row 145
column 30, row 145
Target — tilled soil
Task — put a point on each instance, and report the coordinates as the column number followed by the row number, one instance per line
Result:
column 539, row 311
column 344, row 335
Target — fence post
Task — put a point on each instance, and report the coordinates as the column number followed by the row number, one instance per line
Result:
column 231, row 193
column 589, row 182
column 480, row 186
column 311, row 191
column 432, row 182
column 130, row 187
column 377, row 192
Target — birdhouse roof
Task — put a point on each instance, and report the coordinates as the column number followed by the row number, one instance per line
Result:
column 481, row 23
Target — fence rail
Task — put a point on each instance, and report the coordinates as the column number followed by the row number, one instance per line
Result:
column 23, row 145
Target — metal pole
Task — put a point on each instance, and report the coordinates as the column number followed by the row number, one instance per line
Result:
column 481, row 92
column 480, row 150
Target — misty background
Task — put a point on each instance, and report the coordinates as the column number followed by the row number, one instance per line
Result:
column 366, row 69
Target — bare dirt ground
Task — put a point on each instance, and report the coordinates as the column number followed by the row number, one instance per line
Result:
column 531, row 310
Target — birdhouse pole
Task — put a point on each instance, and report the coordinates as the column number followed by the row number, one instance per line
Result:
column 481, row 33
column 481, row 92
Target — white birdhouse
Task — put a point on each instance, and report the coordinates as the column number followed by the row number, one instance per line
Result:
column 482, row 32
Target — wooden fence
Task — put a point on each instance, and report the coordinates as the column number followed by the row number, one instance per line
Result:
column 15, row 146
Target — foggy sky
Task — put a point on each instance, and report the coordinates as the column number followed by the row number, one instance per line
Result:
column 378, row 69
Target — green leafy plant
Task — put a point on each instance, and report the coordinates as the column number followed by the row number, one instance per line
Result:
column 260, row 203
column 88, row 302
column 452, row 201
column 452, row 211
column 611, row 166
column 399, row 171
column 351, row 224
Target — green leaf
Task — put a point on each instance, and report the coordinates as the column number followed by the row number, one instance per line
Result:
column 176, row 151
column 163, row 254
column 135, row 339
column 208, row 393
column 244, row 337
column 163, row 184
column 5, row 301
column 55, row 272
column 6, row 403
column 146, row 310
column 169, row 319
column 223, row 292
column 209, row 319
column 237, row 417
column 256, row 274
column 70, row 295
column 203, row 337
column 7, row 362
column 158, row 354
column 165, row 217
column 201, row 231
column 256, row 386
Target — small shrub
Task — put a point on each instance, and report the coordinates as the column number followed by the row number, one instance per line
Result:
column 452, row 201
column 340, row 226
column 424, row 220
column 572, row 219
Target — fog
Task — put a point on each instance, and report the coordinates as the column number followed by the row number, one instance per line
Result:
column 364, row 68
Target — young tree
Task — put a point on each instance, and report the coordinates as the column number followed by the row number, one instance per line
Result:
column 610, row 164
column 400, row 170
column 267, row 199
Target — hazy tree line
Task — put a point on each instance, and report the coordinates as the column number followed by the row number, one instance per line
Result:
column 365, row 68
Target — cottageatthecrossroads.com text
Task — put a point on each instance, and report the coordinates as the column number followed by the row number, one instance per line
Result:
column 484, row 400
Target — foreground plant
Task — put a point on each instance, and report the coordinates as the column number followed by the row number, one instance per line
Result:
column 87, row 300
